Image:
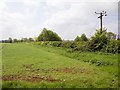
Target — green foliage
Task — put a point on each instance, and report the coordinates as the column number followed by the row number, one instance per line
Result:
column 67, row 44
column 98, row 41
column 80, row 46
column 24, row 40
column 15, row 40
column 27, row 39
column 30, row 39
column 113, row 46
column 56, row 43
column 82, row 38
column 77, row 39
column 49, row 43
column 47, row 35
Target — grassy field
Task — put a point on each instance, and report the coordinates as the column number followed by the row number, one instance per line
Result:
column 33, row 66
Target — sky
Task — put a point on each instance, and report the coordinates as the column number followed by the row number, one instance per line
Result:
column 68, row 18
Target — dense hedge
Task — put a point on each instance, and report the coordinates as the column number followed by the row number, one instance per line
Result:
column 112, row 46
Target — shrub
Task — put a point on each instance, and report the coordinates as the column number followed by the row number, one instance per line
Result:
column 80, row 46
column 67, row 44
column 112, row 46
column 55, row 43
column 98, row 41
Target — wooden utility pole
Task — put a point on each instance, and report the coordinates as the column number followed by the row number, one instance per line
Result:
column 103, row 13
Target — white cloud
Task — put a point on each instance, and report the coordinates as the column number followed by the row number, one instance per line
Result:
column 54, row 2
column 30, row 2
column 61, row 17
column 68, row 18
column 80, row 18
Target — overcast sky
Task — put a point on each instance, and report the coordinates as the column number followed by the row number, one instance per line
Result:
column 68, row 18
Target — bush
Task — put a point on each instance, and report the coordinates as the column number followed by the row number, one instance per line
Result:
column 67, row 44
column 112, row 46
column 80, row 46
column 98, row 41
column 54, row 43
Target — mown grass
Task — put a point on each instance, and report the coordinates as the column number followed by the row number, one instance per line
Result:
column 34, row 66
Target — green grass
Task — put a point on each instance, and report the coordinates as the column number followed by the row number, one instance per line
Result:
column 33, row 66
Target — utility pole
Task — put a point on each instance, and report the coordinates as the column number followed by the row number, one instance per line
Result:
column 103, row 13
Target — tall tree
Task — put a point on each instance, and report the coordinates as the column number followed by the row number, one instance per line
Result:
column 48, row 35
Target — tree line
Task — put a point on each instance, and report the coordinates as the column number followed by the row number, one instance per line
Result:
column 49, row 35
column 10, row 40
column 105, row 42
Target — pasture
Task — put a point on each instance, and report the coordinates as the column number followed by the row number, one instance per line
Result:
column 25, row 65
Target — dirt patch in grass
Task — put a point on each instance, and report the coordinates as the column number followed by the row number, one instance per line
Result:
column 71, row 70
column 29, row 78
column 28, row 66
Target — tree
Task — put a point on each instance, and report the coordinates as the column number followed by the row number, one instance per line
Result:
column 15, row 40
column 77, row 39
column 30, row 39
column 24, row 40
column 83, row 37
column 10, row 40
column 48, row 35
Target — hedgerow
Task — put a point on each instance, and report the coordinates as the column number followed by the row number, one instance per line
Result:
column 98, row 42
column 112, row 46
